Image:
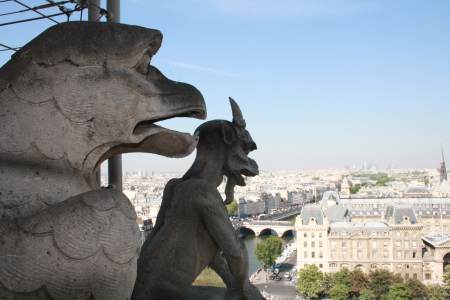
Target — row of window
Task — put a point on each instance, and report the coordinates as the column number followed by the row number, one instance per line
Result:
column 313, row 254
column 313, row 244
column 305, row 235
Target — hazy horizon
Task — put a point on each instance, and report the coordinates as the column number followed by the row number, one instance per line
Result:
column 322, row 84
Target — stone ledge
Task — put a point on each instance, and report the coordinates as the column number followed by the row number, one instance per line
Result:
column 205, row 293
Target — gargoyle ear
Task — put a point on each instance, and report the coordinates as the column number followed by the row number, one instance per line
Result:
column 229, row 134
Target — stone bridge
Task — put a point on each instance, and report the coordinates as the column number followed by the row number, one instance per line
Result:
column 263, row 228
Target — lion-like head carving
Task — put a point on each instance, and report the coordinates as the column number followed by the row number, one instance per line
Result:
column 84, row 91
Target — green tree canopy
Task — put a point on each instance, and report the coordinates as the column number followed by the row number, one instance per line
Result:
column 339, row 292
column 232, row 208
column 327, row 282
column 366, row 294
column 268, row 250
column 446, row 280
column 437, row 292
column 380, row 281
column 309, row 281
column 355, row 189
column 418, row 290
column 358, row 282
column 399, row 291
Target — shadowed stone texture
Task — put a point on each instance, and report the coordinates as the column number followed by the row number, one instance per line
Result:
column 193, row 229
column 76, row 95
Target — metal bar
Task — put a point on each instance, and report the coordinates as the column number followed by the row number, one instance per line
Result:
column 37, row 18
column 8, row 48
column 34, row 8
column 115, row 163
column 115, row 172
column 93, row 10
column 36, row 11
column 113, row 8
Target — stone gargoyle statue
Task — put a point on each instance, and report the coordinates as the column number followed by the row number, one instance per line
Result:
column 193, row 229
column 74, row 96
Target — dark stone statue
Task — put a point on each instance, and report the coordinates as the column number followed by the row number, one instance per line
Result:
column 193, row 229
column 73, row 97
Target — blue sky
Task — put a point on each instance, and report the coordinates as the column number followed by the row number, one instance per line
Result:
column 322, row 84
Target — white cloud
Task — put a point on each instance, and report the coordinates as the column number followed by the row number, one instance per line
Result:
column 201, row 69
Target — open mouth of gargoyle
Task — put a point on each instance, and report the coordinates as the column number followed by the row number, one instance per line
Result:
column 142, row 126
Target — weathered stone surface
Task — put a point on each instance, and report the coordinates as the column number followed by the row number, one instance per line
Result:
column 193, row 229
column 74, row 96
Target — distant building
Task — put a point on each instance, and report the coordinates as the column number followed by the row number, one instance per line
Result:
column 345, row 188
column 417, row 192
column 251, row 208
column 145, row 227
column 271, row 202
column 443, row 169
column 367, row 234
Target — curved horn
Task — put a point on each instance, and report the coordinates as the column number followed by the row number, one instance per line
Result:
column 238, row 119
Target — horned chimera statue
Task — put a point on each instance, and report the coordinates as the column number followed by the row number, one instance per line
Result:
column 74, row 96
column 193, row 229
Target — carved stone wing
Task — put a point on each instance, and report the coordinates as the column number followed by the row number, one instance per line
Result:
column 86, row 246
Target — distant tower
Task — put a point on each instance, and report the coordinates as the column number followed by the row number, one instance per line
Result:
column 443, row 169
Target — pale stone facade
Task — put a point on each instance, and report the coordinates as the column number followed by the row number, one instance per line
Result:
column 386, row 234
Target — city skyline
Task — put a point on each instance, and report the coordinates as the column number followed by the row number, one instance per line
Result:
column 321, row 84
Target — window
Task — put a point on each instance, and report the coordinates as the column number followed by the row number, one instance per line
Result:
column 305, row 235
column 332, row 265
column 320, row 254
column 305, row 254
column 427, row 276
column 414, row 254
column 305, row 244
column 313, row 254
column 344, row 244
column 320, row 244
column 415, row 275
column 313, row 244
column 406, row 276
column 312, row 234
column 321, row 266
column 320, row 234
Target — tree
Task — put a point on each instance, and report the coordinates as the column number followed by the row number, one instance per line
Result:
column 366, row 294
column 418, row 290
column 342, row 277
column 358, row 282
column 339, row 292
column 380, row 281
column 399, row 291
column 268, row 250
column 327, row 283
column 355, row 189
column 232, row 208
column 446, row 279
column 436, row 292
column 309, row 281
